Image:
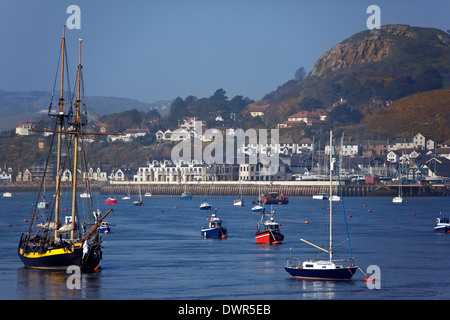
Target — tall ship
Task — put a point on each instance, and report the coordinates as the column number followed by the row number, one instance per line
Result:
column 54, row 240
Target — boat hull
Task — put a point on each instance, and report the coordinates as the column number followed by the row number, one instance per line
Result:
column 441, row 229
column 325, row 274
column 61, row 258
column 269, row 237
column 276, row 201
column 215, row 233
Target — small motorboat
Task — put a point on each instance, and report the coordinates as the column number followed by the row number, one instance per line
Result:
column 214, row 229
column 238, row 202
column 42, row 204
column 126, row 198
column 205, row 206
column 85, row 195
column 148, row 194
column 104, row 227
column 398, row 199
column 186, row 196
column 257, row 209
column 111, row 200
column 442, row 225
column 7, row 195
column 321, row 196
column 138, row 203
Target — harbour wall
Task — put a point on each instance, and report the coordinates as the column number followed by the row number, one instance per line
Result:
column 232, row 188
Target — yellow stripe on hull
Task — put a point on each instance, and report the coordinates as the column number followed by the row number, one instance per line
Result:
column 52, row 252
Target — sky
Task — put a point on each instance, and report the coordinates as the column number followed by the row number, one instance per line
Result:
column 154, row 50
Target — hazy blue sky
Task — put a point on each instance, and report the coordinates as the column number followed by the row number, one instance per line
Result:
column 160, row 49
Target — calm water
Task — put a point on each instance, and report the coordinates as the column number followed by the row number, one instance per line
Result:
column 156, row 252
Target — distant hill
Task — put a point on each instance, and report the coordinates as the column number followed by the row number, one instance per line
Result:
column 18, row 106
column 373, row 65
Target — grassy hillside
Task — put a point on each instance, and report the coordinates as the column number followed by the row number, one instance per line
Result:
column 426, row 112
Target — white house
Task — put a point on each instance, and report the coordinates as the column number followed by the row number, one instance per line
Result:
column 22, row 129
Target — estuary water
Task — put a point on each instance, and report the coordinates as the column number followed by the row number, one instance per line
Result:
column 156, row 251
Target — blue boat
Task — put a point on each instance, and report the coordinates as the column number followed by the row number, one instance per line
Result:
column 205, row 205
column 186, row 196
column 104, row 227
column 257, row 209
column 442, row 225
column 214, row 229
column 326, row 269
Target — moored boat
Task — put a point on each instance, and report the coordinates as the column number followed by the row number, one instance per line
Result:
column 186, row 196
column 111, row 200
column 321, row 196
column 257, row 208
column 214, row 229
column 268, row 230
column 205, row 205
column 327, row 269
column 238, row 202
column 275, row 198
column 442, row 225
column 51, row 244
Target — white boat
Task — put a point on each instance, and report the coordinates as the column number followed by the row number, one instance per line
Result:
column 238, row 202
column 148, row 194
column 442, row 225
column 397, row 200
column 7, row 195
column 321, row 196
column 126, row 198
column 85, row 195
column 335, row 198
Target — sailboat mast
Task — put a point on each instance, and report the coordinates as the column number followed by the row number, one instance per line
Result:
column 75, row 155
column 60, row 119
column 331, row 195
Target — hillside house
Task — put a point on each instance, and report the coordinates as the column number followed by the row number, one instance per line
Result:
column 256, row 111
column 23, row 128
column 314, row 117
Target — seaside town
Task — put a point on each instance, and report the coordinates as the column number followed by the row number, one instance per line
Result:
column 414, row 160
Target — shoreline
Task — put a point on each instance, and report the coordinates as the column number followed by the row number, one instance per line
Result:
column 233, row 188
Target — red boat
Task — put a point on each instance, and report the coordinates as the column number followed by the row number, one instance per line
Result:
column 111, row 200
column 268, row 231
column 275, row 198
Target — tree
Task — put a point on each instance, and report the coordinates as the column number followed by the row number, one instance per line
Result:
column 300, row 74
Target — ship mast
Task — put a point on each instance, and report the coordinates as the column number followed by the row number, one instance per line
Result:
column 60, row 120
column 331, row 195
column 75, row 156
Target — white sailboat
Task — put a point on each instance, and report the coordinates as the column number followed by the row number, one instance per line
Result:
column 399, row 198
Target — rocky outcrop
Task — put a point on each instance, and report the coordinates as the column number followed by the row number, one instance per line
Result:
column 367, row 46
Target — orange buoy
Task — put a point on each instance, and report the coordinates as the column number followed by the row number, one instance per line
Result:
column 176, row 207
column 364, row 205
column 25, row 220
column 369, row 210
column 19, row 205
column 9, row 225
column 306, row 222
column 413, row 213
column 350, row 216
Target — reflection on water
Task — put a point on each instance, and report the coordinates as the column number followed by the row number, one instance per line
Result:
column 52, row 284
